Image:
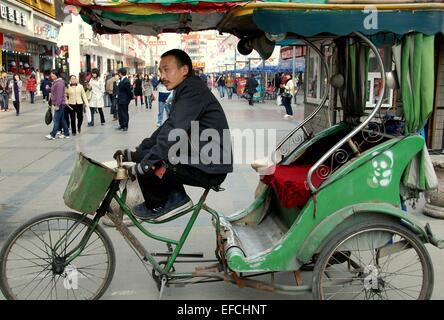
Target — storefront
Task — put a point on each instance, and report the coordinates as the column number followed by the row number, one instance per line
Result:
column 28, row 38
column 46, row 33
column 14, row 26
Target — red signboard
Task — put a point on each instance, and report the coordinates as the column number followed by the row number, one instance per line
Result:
column 287, row 52
column 241, row 84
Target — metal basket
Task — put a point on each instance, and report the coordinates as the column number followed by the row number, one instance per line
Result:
column 87, row 185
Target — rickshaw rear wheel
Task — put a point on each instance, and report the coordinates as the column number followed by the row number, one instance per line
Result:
column 33, row 267
column 371, row 260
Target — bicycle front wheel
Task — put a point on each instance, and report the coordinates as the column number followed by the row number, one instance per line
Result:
column 34, row 260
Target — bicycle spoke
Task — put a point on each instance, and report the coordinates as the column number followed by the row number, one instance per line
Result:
column 28, row 272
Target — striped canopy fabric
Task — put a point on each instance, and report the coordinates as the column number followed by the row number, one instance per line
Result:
column 151, row 18
column 243, row 17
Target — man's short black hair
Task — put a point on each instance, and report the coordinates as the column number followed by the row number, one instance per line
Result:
column 182, row 58
column 122, row 71
column 56, row 72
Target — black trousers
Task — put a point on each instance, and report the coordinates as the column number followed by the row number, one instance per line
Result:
column 77, row 111
column 114, row 107
column 16, row 105
column 156, row 190
column 102, row 116
column 123, row 115
column 287, row 104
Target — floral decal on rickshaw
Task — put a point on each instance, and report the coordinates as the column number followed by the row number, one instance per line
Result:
column 382, row 170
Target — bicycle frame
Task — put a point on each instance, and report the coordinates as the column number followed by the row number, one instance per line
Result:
column 135, row 243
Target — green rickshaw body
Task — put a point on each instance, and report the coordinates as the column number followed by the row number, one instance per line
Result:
column 369, row 183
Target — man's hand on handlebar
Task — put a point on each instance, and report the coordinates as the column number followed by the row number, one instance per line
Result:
column 125, row 154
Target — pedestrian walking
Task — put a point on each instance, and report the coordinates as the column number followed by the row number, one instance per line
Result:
column 114, row 96
column 4, row 92
column 97, row 92
column 229, row 84
column 77, row 103
column 138, row 90
column 163, row 106
column 155, row 82
column 31, row 86
column 110, row 79
column 251, row 88
column 45, row 87
column 221, row 85
column 210, row 82
column 287, row 95
column 16, row 92
column 124, row 97
column 58, row 104
column 147, row 88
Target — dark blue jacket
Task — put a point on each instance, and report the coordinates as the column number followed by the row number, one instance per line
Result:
column 192, row 101
column 124, row 92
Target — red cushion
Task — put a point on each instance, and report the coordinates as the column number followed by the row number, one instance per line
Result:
column 290, row 185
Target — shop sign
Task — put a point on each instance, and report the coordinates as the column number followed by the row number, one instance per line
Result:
column 13, row 15
column 287, row 52
column 157, row 43
column 198, row 65
column 46, row 31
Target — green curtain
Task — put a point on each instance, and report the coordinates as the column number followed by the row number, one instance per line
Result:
column 417, row 89
column 417, row 80
column 353, row 59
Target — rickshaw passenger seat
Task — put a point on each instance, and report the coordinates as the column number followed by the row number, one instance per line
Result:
column 290, row 185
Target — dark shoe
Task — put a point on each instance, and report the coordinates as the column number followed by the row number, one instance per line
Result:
column 90, row 124
column 125, row 129
column 177, row 202
column 103, row 123
column 74, row 133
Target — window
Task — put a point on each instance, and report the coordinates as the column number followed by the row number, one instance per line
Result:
column 316, row 75
column 374, row 78
column 316, row 80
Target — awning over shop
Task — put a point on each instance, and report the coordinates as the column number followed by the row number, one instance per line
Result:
column 343, row 22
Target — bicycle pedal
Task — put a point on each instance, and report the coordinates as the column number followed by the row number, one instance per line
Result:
column 163, row 283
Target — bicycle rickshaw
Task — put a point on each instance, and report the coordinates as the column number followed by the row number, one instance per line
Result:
column 334, row 203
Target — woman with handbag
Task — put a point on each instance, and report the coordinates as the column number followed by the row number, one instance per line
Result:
column 287, row 94
column 58, row 104
column 77, row 104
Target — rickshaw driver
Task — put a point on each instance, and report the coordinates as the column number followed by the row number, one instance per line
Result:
column 160, row 180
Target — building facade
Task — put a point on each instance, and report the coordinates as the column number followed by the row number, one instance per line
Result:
column 28, row 35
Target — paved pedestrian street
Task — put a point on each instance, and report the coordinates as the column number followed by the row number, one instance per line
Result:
column 34, row 173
